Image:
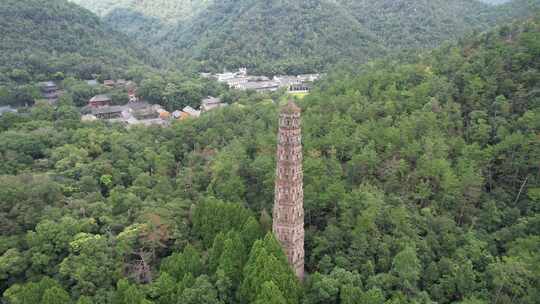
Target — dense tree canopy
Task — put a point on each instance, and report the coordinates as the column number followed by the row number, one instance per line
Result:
column 421, row 185
column 40, row 39
column 296, row 36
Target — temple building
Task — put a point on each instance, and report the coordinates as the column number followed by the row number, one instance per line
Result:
column 288, row 214
column 210, row 103
column 49, row 91
column 99, row 101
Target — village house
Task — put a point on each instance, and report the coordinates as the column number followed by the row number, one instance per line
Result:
column 131, row 87
column 109, row 112
column 286, row 81
column 242, row 81
column 223, row 77
column 145, row 113
column 299, row 88
column 92, row 82
column 136, row 113
column 99, row 101
column 236, row 82
column 165, row 115
column 132, row 97
column 109, row 83
column 242, row 72
column 88, row 118
column 180, row 115
column 261, row 86
column 233, row 80
column 121, row 83
column 257, row 78
column 191, row 111
column 309, row 77
column 210, row 103
column 142, row 113
column 7, row 109
column 49, row 91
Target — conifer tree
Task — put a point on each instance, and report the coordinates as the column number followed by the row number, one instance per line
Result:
column 270, row 294
column 267, row 262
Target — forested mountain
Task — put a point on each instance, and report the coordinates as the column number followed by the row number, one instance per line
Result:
column 168, row 11
column 418, row 23
column 495, row 2
column 297, row 36
column 421, row 185
column 273, row 36
column 40, row 38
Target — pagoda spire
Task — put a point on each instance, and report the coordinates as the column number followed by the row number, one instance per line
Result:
column 288, row 214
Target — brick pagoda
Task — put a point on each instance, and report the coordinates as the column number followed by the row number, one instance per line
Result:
column 288, row 215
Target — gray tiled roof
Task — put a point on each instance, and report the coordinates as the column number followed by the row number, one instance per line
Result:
column 100, row 98
column 6, row 110
column 110, row 109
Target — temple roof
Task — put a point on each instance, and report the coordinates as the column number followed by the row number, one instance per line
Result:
column 291, row 107
column 100, row 98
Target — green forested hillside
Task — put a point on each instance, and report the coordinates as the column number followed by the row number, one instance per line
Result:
column 166, row 10
column 418, row 23
column 495, row 2
column 40, row 38
column 298, row 36
column 421, row 185
column 272, row 36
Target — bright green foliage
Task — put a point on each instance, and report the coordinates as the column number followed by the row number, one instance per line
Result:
column 180, row 264
column 233, row 257
column 56, row 295
column 268, row 263
column 214, row 253
column 50, row 243
column 251, row 231
column 128, row 294
column 510, row 279
column 407, row 268
column 226, row 259
column 90, row 264
column 46, row 291
column 227, row 183
column 212, row 216
column 421, row 185
column 84, row 300
column 202, row 291
column 340, row 286
column 270, row 294
column 163, row 289
column 12, row 264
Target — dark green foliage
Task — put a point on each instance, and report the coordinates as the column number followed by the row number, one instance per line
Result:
column 179, row 265
column 128, row 294
column 41, row 39
column 213, row 216
column 297, row 36
column 268, row 263
column 421, row 185
column 270, row 294
column 202, row 291
column 90, row 265
column 46, row 291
